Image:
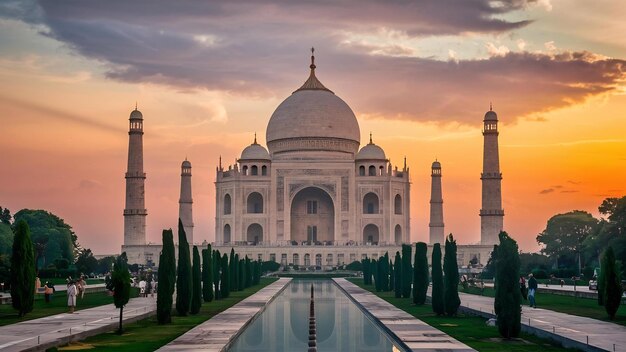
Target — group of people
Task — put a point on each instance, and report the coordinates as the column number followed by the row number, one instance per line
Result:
column 531, row 291
column 75, row 288
column 146, row 287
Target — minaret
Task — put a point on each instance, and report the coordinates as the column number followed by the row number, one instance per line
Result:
column 491, row 213
column 185, row 202
column 436, row 205
column 135, row 211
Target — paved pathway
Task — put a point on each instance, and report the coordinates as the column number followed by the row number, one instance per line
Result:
column 414, row 333
column 601, row 335
column 217, row 333
column 55, row 330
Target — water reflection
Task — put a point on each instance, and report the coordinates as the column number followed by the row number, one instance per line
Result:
column 341, row 326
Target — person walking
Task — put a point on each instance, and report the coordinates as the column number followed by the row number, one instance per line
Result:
column 82, row 286
column 71, row 296
column 532, row 289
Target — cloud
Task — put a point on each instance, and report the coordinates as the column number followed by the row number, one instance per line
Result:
column 258, row 49
column 546, row 191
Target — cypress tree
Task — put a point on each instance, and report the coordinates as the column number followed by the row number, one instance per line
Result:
column 407, row 270
column 398, row 274
column 232, row 266
column 22, row 270
column 249, row 272
column 420, row 273
column 451, row 278
column 392, row 276
column 183, row 281
column 225, row 279
column 196, row 294
column 217, row 265
column 437, row 293
column 384, row 264
column 257, row 272
column 508, row 297
column 376, row 274
column 611, row 282
column 167, row 279
column 121, row 285
column 207, row 274
column 366, row 271
column 240, row 273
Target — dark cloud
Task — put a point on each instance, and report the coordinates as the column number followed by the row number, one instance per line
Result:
column 546, row 191
column 259, row 49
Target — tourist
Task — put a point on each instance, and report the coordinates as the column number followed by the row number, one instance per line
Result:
column 82, row 286
column 532, row 289
column 71, row 296
column 142, row 287
column 522, row 286
column 47, row 291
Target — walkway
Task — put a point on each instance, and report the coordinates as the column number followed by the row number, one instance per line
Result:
column 572, row 331
column 56, row 330
column 414, row 333
column 217, row 333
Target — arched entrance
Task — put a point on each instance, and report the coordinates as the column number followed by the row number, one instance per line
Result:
column 370, row 234
column 226, row 233
column 254, row 234
column 398, row 234
column 312, row 216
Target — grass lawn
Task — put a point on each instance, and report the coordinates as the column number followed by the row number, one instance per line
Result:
column 147, row 335
column 470, row 330
column 58, row 304
column 584, row 307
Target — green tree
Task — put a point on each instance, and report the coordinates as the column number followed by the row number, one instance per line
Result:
column 398, row 273
column 225, row 279
column 611, row 283
column 121, row 286
column 184, row 284
column 564, row 236
column 6, row 239
column 611, row 232
column 217, row 265
column 376, row 274
column 106, row 264
column 392, row 276
column 437, row 292
column 367, row 274
column 22, row 270
column 508, row 297
column 420, row 273
column 196, row 295
column 58, row 237
column 86, row 262
column 451, row 278
column 207, row 274
column 167, row 278
column 407, row 270
column 232, row 267
column 5, row 216
column 249, row 272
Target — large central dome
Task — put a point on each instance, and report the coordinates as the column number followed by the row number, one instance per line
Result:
column 313, row 120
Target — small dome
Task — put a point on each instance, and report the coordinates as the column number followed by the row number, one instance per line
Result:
column 186, row 164
column 371, row 151
column 255, row 151
column 491, row 116
column 136, row 115
column 436, row 165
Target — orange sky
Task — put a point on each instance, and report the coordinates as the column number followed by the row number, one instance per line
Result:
column 64, row 116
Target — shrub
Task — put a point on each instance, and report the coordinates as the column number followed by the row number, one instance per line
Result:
column 508, row 297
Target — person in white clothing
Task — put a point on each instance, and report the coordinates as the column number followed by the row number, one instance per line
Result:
column 71, row 295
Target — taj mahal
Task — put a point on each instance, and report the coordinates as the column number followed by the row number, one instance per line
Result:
column 314, row 197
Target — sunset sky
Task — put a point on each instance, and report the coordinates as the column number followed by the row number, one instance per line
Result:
column 207, row 75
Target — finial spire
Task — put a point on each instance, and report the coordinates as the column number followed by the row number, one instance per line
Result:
column 135, row 105
column 312, row 58
column 220, row 162
column 254, row 138
column 312, row 83
column 490, row 107
column 371, row 138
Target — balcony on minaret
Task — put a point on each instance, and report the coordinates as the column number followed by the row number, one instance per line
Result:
column 491, row 175
column 135, row 174
column 135, row 212
column 488, row 212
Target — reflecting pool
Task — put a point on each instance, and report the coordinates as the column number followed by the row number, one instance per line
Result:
column 284, row 325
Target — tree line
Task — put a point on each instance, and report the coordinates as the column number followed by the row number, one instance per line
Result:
column 411, row 281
